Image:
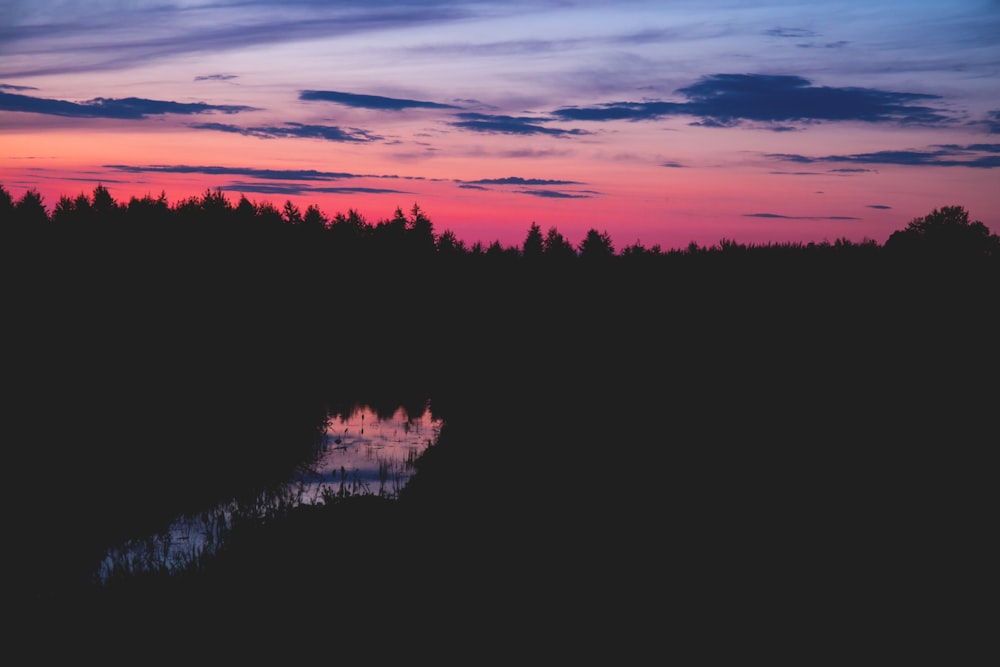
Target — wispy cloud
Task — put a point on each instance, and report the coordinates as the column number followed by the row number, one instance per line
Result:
column 294, row 130
column 370, row 101
column 251, row 172
column 796, row 33
column 132, row 108
column 497, row 124
column 517, row 180
column 297, row 189
column 624, row 111
column 274, row 174
column 992, row 122
column 554, row 194
column 881, row 207
column 7, row 86
column 799, row 217
column 101, row 37
column 853, row 170
column 976, row 156
column 728, row 100
column 216, row 77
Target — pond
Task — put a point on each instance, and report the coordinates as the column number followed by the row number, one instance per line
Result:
column 361, row 453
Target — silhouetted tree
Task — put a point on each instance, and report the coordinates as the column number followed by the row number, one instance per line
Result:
column 420, row 232
column 215, row 205
column 314, row 219
column 390, row 235
column 30, row 209
column 534, row 244
column 65, row 210
column 555, row 245
column 148, row 210
column 637, row 249
column 105, row 207
column 291, row 213
column 350, row 230
column 6, row 205
column 268, row 215
column 449, row 245
column 945, row 233
column 596, row 246
column 245, row 212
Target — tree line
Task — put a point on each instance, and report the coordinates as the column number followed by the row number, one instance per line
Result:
column 945, row 231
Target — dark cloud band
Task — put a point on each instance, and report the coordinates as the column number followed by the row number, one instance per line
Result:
column 727, row 100
column 370, row 101
column 294, row 130
column 127, row 108
column 975, row 156
column 495, row 124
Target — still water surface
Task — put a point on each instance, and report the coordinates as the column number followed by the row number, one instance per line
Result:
column 362, row 453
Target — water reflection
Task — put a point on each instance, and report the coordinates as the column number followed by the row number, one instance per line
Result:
column 363, row 452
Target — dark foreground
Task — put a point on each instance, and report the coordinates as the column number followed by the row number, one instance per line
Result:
column 815, row 473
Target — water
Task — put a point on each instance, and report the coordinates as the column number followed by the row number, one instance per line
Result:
column 362, row 453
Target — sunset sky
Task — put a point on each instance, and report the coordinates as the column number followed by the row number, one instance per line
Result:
column 660, row 122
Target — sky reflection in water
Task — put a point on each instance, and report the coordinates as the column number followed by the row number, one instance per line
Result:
column 361, row 453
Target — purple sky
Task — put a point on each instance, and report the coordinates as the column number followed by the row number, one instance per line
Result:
column 658, row 122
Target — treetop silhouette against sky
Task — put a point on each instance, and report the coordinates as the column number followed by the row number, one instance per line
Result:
column 949, row 229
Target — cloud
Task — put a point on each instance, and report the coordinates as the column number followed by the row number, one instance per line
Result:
column 271, row 174
column 7, row 86
column 976, row 156
column 799, row 217
column 992, row 122
column 761, row 97
column 301, row 190
column 517, row 180
column 829, row 45
column 623, row 111
column 493, row 124
column 251, row 172
column 881, row 207
column 553, row 194
column 89, row 39
column 729, row 100
column 133, row 108
column 294, row 130
column 216, row 77
column 370, row 101
column 796, row 33
column 673, row 165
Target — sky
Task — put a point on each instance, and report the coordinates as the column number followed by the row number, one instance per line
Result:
column 660, row 123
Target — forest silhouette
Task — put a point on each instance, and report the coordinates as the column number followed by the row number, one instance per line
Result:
column 812, row 421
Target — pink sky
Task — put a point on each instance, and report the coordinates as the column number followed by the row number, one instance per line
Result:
column 660, row 123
